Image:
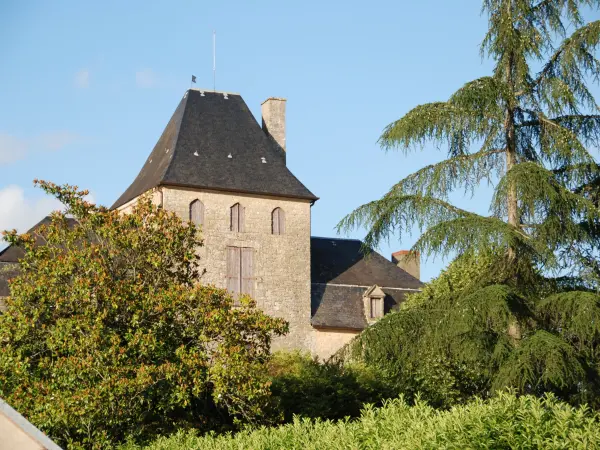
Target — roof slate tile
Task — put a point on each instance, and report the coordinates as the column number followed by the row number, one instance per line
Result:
column 216, row 143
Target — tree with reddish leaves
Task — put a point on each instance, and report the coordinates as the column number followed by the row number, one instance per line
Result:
column 108, row 335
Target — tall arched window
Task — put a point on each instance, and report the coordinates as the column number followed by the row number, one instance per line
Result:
column 278, row 221
column 197, row 212
column 237, row 213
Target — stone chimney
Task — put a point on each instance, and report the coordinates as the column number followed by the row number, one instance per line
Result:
column 273, row 119
column 408, row 262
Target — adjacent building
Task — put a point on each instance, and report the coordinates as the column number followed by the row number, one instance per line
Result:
column 216, row 166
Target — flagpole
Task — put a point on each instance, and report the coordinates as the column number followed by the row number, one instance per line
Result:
column 214, row 60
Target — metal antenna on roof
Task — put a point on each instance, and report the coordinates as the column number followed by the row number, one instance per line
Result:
column 214, row 60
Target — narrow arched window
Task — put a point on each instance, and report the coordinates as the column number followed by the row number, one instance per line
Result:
column 237, row 215
column 278, row 221
column 197, row 212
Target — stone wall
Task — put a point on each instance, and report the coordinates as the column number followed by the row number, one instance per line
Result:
column 327, row 342
column 155, row 194
column 281, row 262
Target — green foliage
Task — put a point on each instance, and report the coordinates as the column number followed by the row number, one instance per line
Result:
column 542, row 362
column 303, row 386
column 503, row 422
column 466, row 335
column 413, row 351
column 108, row 336
column 575, row 316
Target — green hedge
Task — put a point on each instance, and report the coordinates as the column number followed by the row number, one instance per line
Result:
column 505, row 421
column 303, row 386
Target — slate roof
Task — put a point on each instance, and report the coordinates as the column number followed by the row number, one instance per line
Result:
column 341, row 261
column 341, row 273
column 12, row 254
column 335, row 306
column 193, row 152
column 7, row 271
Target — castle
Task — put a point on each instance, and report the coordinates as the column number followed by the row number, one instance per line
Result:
column 215, row 165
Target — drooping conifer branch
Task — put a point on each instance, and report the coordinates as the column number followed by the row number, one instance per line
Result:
column 436, row 121
column 544, row 123
column 540, row 195
column 473, row 233
column 398, row 213
column 442, row 178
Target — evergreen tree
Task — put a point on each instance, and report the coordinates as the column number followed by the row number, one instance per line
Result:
column 516, row 322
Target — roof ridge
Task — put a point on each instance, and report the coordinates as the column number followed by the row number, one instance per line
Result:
column 211, row 91
column 335, row 239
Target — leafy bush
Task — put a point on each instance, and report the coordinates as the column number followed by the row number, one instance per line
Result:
column 303, row 386
column 466, row 334
column 107, row 335
column 505, row 421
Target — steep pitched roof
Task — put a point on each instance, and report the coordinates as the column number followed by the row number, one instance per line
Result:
column 194, row 149
column 340, row 276
column 341, row 261
column 12, row 254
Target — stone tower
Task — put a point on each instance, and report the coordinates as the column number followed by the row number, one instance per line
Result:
column 215, row 165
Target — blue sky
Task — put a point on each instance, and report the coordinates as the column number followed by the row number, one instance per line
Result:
column 86, row 89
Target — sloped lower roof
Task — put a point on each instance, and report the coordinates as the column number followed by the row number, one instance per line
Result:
column 7, row 272
column 340, row 275
column 341, row 261
column 12, row 254
column 15, row 428
column 335, row 306
column 193, row 151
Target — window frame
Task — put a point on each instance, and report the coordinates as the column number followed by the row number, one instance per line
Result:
column 377, row 311
column 238, row 225
column 240, row 277
column 198, row 202
column 278, row 221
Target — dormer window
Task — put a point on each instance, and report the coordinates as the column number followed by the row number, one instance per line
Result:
column 237, row 218
column 278, row 221
column 197, row 212
column 373, row 299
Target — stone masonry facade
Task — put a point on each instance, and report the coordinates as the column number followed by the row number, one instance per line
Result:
column 327, row 342
column 281, row 262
